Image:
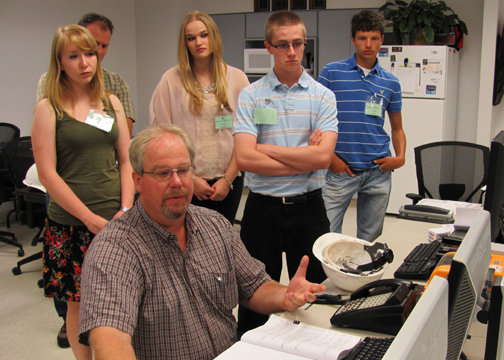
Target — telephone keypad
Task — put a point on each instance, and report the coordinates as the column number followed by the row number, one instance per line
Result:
column 364, row 303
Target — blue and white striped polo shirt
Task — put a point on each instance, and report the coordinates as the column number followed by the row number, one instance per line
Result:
column 361, row 137
column 301, row 109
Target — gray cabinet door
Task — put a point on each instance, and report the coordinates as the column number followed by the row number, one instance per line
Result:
column 255, row 23
column 232, row 30
column 334, row 36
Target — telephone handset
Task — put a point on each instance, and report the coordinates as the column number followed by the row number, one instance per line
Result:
column 380, row 306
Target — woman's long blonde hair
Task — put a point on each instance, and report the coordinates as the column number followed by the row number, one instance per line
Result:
column 57, row 86
column 218, row 67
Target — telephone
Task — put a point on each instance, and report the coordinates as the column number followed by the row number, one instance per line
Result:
column 380, row 306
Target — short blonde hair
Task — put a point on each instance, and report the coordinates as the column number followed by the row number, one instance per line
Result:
column 217, row 65
column 57, row 85
column 280, row 19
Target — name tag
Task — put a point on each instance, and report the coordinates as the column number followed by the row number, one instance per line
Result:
column 374, row 106
column 264, row 116
column 102, row 122
column 223, row 122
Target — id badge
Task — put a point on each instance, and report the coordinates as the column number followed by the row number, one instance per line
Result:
column 99, row 121
column 223, row 122
column 265, row 116
column 374, row 106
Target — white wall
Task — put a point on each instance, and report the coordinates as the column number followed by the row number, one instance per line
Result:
column 27, row 28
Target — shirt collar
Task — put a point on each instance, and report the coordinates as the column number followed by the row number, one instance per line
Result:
column 303, row 81
column 352, row 63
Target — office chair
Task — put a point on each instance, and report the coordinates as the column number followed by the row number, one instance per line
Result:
column 8, row 132
column 18, row 156
column 450, row 170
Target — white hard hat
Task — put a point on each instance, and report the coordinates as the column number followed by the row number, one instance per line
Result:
column 32, row 179
column 350, row 262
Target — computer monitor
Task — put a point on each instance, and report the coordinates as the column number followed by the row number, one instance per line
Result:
column 466, row 280
column 424, row 335
column 494, row 197
column 494, row 348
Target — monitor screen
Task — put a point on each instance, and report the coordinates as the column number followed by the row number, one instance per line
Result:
column 494, row 197
column 466, row 280
column 424, row 335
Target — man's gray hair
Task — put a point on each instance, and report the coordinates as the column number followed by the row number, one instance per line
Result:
column 142, row 140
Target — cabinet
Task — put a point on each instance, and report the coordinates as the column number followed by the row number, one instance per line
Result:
column 232, row 30
column 255, row 23
column 328, row 33
column 334, row 36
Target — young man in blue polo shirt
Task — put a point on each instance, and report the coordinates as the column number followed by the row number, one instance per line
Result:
column 362, row 161
column 284, row 135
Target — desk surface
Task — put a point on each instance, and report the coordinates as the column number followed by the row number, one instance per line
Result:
column 31, row 195
column 402, row 236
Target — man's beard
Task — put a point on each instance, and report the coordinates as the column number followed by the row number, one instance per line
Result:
column 179, row 212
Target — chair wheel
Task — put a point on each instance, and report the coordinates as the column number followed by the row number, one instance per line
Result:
column 40, row 283
column 20, row 252
column 16, row 271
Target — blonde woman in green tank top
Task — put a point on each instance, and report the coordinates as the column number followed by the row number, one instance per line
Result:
column 78, row 134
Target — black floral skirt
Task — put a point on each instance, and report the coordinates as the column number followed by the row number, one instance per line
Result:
column 63, row 254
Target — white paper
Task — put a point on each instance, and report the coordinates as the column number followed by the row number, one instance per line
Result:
column 449, row 204
column 465, row 217
column 408, row 77
column 308, row 341
column 245, row 351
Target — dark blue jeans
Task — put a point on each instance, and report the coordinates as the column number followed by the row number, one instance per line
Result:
column 270, row 228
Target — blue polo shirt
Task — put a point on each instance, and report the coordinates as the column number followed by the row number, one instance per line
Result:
column 300, row 109
column 361, row 137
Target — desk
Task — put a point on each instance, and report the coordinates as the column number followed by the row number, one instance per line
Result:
column 32, row 196
column 402, row 236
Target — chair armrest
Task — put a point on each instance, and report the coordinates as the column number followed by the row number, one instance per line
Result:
column 414, row 197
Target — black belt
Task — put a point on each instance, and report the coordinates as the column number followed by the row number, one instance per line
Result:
column 289, row 200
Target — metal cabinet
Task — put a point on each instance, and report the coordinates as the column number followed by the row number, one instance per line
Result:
column 255, row 23
column 334, row 36
column 328, row 32
column 232, row 30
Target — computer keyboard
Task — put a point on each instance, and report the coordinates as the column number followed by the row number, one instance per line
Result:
column 420, row 262
column 370, row 349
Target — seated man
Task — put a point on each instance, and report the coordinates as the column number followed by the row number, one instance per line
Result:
column 161, row 281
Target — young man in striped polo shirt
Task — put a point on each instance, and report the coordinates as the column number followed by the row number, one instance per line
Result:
column 362, row 161
column 284, row 134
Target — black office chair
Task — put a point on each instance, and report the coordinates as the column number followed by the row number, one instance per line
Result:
column 18, row 156
column 451, row 170
column 8, row 132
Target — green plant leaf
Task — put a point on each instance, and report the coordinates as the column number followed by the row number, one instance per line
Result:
column 429, row 34
column 411, row 24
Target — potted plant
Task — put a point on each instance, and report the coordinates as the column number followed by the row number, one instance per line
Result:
column 422, row 19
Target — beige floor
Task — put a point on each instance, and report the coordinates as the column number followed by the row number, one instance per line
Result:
column 28, row 321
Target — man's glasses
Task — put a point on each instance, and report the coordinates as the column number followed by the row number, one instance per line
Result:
column 165, row 174
column 298, row 45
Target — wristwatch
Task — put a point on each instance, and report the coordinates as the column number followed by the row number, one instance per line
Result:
column 124, row 208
